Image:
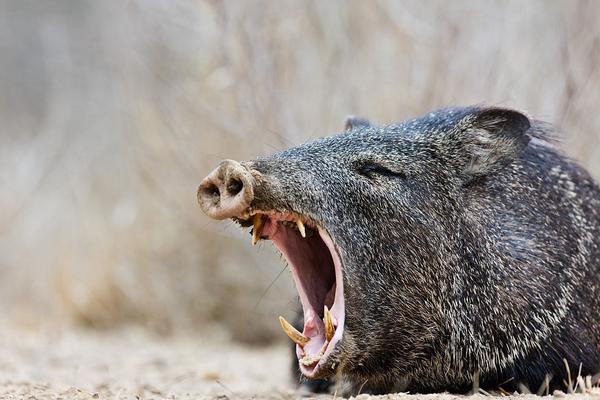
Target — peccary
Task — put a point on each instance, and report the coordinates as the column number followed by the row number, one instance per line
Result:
column 432, row 254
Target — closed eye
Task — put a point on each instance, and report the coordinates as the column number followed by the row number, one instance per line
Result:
column 372, row 170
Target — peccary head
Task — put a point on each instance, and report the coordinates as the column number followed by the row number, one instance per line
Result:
column 410, row 260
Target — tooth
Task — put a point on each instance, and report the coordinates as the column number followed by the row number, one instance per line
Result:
column 329, row 328
column 311, row 360
column 301, row 227
column 293, row 333
column 259, row 221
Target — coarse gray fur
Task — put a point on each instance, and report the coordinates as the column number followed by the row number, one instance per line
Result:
column 470, row 247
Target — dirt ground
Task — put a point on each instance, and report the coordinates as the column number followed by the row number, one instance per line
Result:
column 131, row 364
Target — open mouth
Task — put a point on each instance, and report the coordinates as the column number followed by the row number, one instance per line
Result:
column 317, row 272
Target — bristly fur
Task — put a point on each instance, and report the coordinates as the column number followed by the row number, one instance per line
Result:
column 475, row 252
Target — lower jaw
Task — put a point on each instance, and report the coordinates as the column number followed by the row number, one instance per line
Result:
column 326, row 366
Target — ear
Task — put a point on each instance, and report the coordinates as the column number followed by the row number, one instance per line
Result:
column 353, row 122
column 492, row 138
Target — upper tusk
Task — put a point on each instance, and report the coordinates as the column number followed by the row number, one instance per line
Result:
column 259, row 221
column 301, row 227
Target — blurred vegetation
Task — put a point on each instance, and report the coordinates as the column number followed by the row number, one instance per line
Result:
column 112, row 111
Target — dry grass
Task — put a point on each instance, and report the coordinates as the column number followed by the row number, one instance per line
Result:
column 113, row 111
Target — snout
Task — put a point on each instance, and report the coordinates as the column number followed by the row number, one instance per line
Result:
column 227, row 191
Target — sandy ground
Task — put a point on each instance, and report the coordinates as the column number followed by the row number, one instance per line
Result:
column 131, row 364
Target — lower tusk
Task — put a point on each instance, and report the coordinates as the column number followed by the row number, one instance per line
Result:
column 329, row 328
column 259, row 221
column 293, row 333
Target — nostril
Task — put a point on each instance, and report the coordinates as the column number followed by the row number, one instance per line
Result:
column 211, row 191
column 234, row 186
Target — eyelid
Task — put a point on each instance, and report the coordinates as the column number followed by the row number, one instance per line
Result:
column 368, row 169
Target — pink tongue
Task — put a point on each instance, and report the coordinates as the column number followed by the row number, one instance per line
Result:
column 313, row 326
column 315, row 330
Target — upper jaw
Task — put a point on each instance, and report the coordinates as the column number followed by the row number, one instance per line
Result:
column 317, row 271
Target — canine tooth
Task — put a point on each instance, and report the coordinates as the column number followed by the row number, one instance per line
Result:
column 293, row 333
column 329, row 328
column 301, row 227
column 259, row 221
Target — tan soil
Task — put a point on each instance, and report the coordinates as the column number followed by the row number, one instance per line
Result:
column 130, row 364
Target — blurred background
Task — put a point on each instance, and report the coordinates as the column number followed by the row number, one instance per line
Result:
column 111, row 112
